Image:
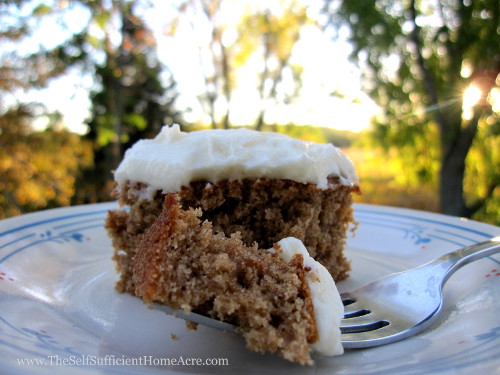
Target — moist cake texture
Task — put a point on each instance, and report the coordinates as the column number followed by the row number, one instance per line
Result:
column 183, row 263
column 246, row 191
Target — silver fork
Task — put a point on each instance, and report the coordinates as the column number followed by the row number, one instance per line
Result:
column 405, row 303
column 389, row 309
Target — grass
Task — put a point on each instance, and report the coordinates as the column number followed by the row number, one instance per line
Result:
column 382, row 182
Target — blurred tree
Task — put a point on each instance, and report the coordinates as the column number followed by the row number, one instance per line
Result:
column 37, row 169
column 131, row 101
column 28, row 61
column 432, row 64
column 274, row 36
column 242, row 37
column 215, row 56
column 133, row 93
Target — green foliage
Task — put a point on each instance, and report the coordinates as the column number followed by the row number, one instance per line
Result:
column 272, row 37
column 413, row 55
column 340, row 138
column 483, row 175
column 388, row 185
column 34, row 65
column 412, row 69
column 277, row 33
column 130, row 102
column 42, row 10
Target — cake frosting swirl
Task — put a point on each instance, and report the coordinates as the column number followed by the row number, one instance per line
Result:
column 174, row 159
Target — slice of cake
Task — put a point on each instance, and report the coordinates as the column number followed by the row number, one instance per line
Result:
column 267, row 186
column 251, row 188
column 280, row 299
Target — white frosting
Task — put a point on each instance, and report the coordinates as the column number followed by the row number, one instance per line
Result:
column 174, row 159
column 328, row 307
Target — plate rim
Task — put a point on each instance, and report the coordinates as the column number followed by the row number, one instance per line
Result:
column 53, row 215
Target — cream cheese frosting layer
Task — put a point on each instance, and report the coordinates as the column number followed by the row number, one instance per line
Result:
column 328, row 307
column 174, row 159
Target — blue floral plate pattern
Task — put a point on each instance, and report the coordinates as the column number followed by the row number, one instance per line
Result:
column 60, row 314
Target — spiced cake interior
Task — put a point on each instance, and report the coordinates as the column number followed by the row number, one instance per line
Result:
column 200, row 214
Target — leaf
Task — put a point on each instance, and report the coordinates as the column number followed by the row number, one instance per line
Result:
column 41, row 10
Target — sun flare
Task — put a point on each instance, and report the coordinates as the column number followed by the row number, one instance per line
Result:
column 472, row 95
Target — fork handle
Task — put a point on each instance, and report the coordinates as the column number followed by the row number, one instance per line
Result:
column 455, row 260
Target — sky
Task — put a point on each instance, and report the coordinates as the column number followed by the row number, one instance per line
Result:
column 325, row 69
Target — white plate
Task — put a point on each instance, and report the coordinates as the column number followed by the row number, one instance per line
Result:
column 58, row 304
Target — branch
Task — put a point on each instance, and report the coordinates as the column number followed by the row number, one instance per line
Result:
column 428, row 79
column 481, row 202
column 446, row 30
column 464, row 142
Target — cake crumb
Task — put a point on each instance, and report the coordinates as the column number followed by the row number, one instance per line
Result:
column 173, row 336
column 192, row 326
column 209, row 252
column 266, row 297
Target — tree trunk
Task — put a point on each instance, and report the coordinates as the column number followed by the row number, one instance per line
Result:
column 456, row 137
column 452, row 173
column 451, row 192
